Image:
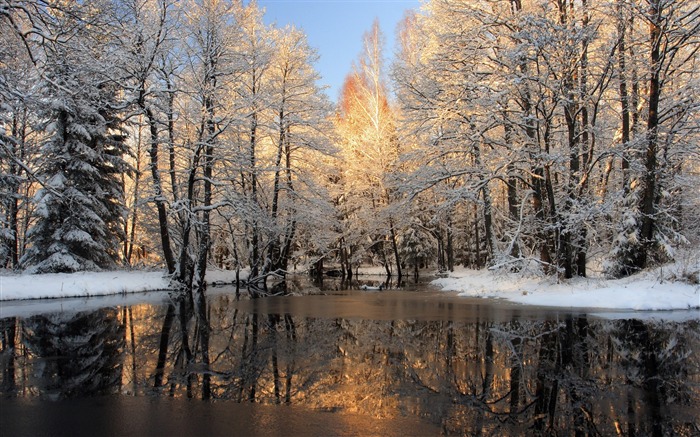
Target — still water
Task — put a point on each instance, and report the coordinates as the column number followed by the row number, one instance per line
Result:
column 328, row 361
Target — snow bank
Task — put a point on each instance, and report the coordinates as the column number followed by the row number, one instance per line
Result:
column 55, row 285
column 639, row 292
column 62, row 285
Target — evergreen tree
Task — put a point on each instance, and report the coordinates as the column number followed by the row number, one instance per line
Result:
column 79, row 214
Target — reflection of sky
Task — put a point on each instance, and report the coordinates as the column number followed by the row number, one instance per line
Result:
column 335, row 28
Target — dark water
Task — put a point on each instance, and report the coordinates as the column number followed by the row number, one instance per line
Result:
column 397, row 362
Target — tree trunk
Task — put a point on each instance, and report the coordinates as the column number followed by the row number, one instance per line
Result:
column 648, row 202
column 624, row 97
column 477, row 240
column 275, row 250
column 440, row 251
column 131, row 232
column 567, row 231
column 513, row 208
column 488, row 222
column 185, row 271
column 395, row 246
column 488, row 207
column 587, row 140
column 18, row 150
column 159, row 198
column 254, row 239
column 449, row 247
column 290, row 233
column 12, row 213
column 171, row 139
column 348, row 260
column 204, row 227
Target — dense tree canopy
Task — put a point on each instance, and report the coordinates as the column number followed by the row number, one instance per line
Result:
column 552, row 135
column 547, row 117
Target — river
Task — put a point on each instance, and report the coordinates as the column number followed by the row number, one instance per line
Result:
column 330, row 361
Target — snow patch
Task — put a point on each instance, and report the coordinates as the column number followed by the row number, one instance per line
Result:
column 58, row 285
column 642, row 292
column 83, row 284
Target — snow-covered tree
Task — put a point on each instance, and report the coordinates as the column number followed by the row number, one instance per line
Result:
column 18, row 139
column 79, row 222
column 516, row 109
column 446, row 89
column 370, row 150
column 211, row 66
column 147, row 69
column 276, row 136
column 252, row 95
column 299, row 136
column 667, row 40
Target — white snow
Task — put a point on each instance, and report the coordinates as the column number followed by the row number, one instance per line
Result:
column 642, row 292
column 645, row 291
column 56, row 285
column 82, row 284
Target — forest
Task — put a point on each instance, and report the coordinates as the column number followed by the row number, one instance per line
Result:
column 555, row 137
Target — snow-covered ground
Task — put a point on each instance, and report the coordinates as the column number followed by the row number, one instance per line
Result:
column 645, row 291
column 62, row 285
column 642, row 292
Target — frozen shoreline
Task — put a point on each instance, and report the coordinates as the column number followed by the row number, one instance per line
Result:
column 87, row 284
column 642, row 292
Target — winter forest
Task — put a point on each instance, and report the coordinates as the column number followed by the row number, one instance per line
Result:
column 559, row 137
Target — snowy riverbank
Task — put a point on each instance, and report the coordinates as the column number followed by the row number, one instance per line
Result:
column 62, row 285
column 645, row 291
column 648, row 290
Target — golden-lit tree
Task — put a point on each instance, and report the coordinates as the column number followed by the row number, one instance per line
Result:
column 367, row 129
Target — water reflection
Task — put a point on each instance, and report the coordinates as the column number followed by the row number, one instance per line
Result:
column 60, row 356
column 494, row 372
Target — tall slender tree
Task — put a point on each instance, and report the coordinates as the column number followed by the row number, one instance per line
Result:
column 367, row 125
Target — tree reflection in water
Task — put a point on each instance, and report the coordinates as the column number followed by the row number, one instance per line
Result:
column 64, row 355
column 573, row 375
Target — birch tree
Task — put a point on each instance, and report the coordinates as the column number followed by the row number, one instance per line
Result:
column 367, row 127
column 300, row 133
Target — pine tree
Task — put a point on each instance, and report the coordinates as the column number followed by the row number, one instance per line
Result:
column 79, row 221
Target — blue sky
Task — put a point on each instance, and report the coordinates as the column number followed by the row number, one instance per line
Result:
column 335, row 28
